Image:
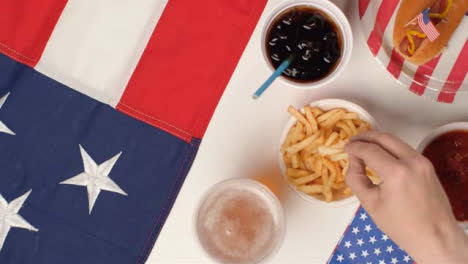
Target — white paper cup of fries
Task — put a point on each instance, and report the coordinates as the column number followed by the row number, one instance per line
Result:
column 311, row 152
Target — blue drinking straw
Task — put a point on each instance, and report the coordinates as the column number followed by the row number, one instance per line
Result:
column 285, row 64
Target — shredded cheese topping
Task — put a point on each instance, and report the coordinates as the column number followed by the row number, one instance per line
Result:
column 412, row 47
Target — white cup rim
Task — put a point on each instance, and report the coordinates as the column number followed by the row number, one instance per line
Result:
column 340, row 20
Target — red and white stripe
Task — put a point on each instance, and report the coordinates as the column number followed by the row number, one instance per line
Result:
column 163, row 62
column 441, row 78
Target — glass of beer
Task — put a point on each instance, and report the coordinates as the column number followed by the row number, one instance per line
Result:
column 240, row 221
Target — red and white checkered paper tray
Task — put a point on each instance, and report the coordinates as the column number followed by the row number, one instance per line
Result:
column 442, row 79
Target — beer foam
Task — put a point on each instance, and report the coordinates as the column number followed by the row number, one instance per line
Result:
column 238, row 224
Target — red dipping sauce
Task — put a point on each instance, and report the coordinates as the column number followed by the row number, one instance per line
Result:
column 449, row 155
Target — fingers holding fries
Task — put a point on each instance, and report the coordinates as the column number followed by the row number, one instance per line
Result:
column 314, row 151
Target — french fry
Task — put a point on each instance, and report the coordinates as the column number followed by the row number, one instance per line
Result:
column 305, row 179
column 372, row 176
column 295, row 161
column 332, row 170
column 318, row 166
column 324, row 176
column 296, row 173
column 316, row 111
column 298, row 133
column 328, row 194
column 321, row 139
column 302, row 144
column 310, row 150
column 311, row 118
column 288, row 139
column 338, row 185
column 326, row 191
column 343, row 134
column 331, row 139
column 345, row 169
column 309, row 163
column 327, row 115
column 340, row 145
column 357, row 122
column 301, row 164
column 342, row 163
column 287, row 160
column 310, row 189
column 351, row 126
column 324, row 151
column 299, row 117
column 342, row 125
column 339, row 156
column 333, row 119
column 351, row 116
column 339, row 175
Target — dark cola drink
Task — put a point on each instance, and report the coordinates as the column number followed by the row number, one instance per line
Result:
column 313, row 39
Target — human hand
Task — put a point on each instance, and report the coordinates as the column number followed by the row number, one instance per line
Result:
column 410, row 204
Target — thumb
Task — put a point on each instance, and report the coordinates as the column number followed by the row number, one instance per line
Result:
column 361, row 185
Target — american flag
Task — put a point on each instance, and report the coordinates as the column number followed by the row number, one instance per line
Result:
column 98, row 127
column 364, row 243
column 424, row 22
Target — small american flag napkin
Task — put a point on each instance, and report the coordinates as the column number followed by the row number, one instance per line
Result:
column 364, row 243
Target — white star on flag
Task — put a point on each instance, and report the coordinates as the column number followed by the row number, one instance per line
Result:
column 360, row 242
column 369, row 262
column 384, row 237
column 9, row 216
column 368, row 228
column 347, row 244
column 364, row 253
column 3, row 127
column 381, row 261
column 394, row 260
column 352, row 255
column 363, row 217
column 339, row 258
column 355, row 230
column 377, row 251
column 95, row 177
column 389, row 249
column 372, row 239
column 406, row 259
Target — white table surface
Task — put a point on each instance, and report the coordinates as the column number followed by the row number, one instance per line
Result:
column 243, row 137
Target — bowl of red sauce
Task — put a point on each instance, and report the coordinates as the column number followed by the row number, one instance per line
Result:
column 447, row 148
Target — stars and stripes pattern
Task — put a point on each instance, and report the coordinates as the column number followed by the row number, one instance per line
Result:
column 364, row 243
column 98, row 127
column 426, row 25
column 442, row 79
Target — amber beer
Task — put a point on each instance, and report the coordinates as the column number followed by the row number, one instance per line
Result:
column 240, row 221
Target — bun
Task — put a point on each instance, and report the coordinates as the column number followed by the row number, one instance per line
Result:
column 427, row 50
